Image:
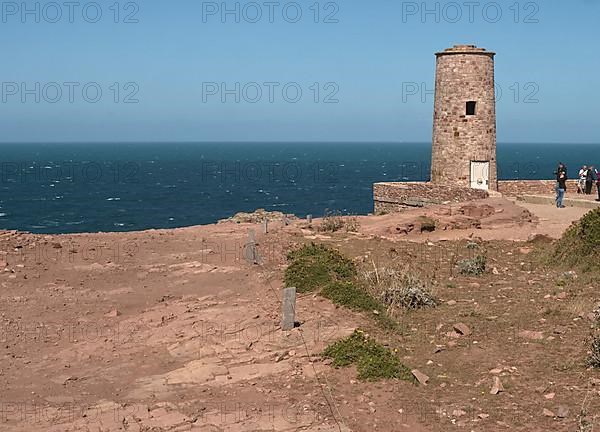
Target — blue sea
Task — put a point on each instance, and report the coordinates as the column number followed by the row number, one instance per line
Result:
column 72, row 188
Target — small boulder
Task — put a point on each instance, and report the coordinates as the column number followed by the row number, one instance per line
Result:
column 463, row 329
column 562, row 412
column 112, row 314
column 497, row 387
column 420, row 376
column 532, row 335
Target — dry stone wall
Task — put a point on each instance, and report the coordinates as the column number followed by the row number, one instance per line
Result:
column 393, row 197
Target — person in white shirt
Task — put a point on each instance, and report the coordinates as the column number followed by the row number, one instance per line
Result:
column 581, row 180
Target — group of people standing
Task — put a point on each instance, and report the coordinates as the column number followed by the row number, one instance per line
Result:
column 585, row 182
column 587, row 178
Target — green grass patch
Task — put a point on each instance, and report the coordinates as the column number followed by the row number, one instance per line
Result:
column 349, row 295
column 318, row 268
column 373, row 361
column 314, row 266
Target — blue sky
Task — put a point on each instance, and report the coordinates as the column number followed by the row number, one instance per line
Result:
column 175, row 60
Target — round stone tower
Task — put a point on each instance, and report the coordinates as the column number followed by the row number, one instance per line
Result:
column 464, row 119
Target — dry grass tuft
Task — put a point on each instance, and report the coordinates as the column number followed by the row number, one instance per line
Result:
column 398, row 289
column 334, row 222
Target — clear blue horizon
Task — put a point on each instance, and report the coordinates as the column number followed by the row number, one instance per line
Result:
column 351, row 72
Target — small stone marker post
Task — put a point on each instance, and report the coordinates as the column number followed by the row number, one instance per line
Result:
column 265, row 226
column 250, row 252
column 309, row 218
column 289, row 309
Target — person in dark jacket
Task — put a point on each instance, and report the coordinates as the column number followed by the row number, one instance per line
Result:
column 561, row 184
column 590, row 180
column 598, row 185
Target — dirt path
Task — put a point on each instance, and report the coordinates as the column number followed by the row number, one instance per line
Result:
column 553, row 221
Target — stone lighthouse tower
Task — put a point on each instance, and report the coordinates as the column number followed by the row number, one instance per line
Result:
column 464, row 119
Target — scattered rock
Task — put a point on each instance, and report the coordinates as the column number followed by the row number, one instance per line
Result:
column 532, row 335
column 547, row 413
column 405, row 229
column 562, row 295
column 477, row 211
column 560, row 330
column 549, row 396
column 497, row 387
column 112, row 314
column 563, row 411
column 420, row 376
column 463, row 329
column 69, row 378
column 257, row 216
column 451, row 302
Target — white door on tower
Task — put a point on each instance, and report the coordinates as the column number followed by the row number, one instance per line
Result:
column 480, row 175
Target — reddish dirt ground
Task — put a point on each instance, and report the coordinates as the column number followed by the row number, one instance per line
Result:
column 174, row 330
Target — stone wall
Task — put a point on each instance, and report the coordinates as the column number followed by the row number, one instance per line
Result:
column 392, row 197
column 513, row 188
column 463, row 73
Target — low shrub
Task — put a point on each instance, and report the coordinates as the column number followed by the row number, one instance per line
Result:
column 318, row 268
column 426, row 223
column 594, row 358
column 580, row 244
column 472, row 266
column 373, row 361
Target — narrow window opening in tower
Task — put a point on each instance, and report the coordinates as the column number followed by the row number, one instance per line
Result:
column 471, row 108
